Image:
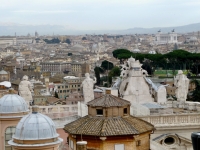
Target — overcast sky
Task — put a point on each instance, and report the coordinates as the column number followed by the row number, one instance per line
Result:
column 101, row 14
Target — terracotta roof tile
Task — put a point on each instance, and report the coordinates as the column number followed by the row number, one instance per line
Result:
column 108, row 126
column 107, row 101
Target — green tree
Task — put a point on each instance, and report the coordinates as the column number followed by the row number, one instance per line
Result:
column 68, row 41
column 97, row 75
column 69, row 54
column 196, row 93
column 56, row 95
column 114, row 73
column 52, row 41
column 107, row 65
column 84, row 38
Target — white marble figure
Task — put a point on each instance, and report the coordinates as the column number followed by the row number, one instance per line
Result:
column 117, row 83
column 181, row 82
column 87, row 85
column 25, row 89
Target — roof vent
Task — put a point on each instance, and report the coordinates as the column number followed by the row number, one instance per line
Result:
column 11, row 91
column 108, row 90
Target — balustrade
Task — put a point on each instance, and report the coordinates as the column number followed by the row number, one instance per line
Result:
column 172, row 119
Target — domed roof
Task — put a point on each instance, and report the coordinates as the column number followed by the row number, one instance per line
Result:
column 136, row 51
column 35, row 126
column 193, row 38
column 3, row 72
column 13, row 103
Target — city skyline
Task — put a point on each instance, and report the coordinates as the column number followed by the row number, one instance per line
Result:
column 100, row 15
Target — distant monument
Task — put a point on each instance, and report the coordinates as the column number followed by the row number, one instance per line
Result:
column 87, row 85
column 181, row 82
column 25, row 90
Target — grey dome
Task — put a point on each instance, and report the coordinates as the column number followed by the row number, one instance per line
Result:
column 35, row 126
column 3, row 72
column 13, row 103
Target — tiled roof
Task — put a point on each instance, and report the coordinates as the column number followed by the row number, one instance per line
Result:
column 108, row 126
column 108, row 101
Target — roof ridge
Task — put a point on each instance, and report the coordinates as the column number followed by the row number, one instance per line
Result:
column 104, row 126
column 130, row 124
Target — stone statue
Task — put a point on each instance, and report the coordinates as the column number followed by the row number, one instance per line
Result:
column 87, row 85
column 181, row 82
column 25, row 89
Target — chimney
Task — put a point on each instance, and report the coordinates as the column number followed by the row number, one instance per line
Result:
column 108, row 90
column 11, row 91
column 35, row 109
column 81, row 145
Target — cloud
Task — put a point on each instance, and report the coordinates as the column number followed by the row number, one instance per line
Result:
column 44, row 11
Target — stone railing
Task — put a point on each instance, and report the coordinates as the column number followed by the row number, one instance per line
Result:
column 59, row 111
column 173, row 119
column 61, row 122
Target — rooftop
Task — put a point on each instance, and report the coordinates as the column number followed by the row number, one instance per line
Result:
column 108, row 101
column 108, row 126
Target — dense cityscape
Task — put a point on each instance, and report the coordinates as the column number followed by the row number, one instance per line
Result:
column 99, row 91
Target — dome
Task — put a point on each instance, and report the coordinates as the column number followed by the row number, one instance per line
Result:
column 3, row 72
column 35, row 126
column 13, row 103
column 136, row 51
column 193, row 39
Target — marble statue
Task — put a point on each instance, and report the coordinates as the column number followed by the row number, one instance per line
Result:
column 117, row 83
column 87, row 85
column 181, row 82
column 25, row 89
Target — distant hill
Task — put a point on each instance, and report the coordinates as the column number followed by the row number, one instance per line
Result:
column 179, row 29
column 10, row 29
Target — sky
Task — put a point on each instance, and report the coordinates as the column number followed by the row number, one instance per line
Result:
column 100, row 14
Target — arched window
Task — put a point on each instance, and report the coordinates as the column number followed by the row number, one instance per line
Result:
column 10, row 131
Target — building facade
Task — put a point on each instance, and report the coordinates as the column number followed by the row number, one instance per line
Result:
column 165, row 38
column 109, row 126
column 55, row 67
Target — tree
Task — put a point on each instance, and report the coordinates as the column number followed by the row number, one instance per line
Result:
column 97, row 75
column 68, row 41
column 107, row 65
column 122, row 54
column 69, row 54
column 52, row 41
column 84, row 38
column 196, row 93
column 56, row 95
column 113, row 73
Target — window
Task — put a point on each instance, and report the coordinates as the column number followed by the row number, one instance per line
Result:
column 169, row 140
column 99, row 111
column 71, row 144
column 125, row 110
column 119, row 146
column 138, row 143
column 10, row 131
